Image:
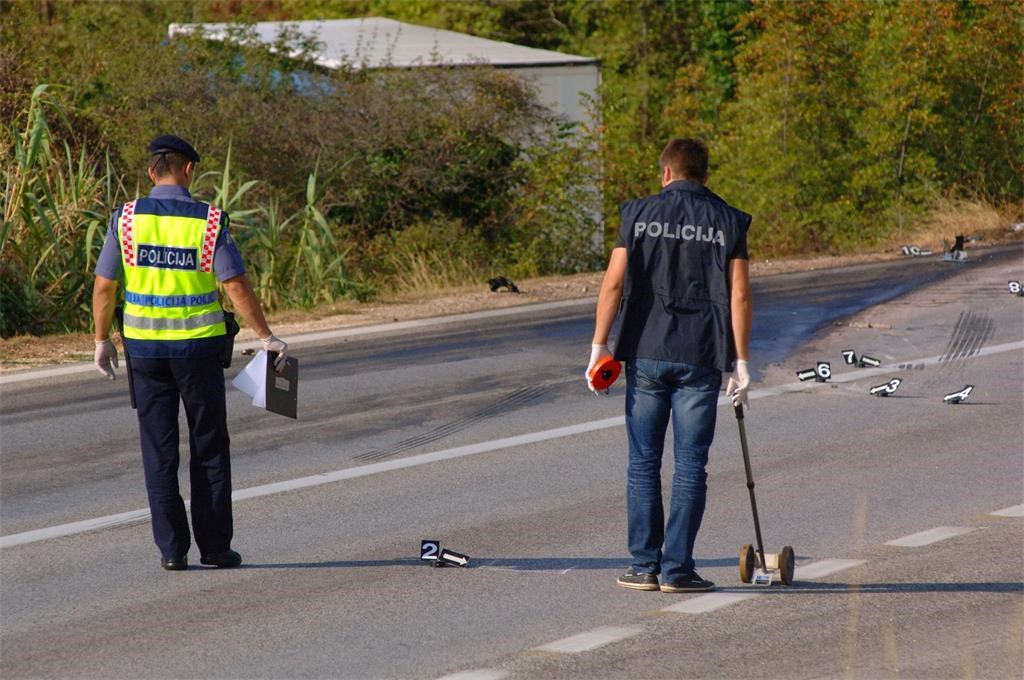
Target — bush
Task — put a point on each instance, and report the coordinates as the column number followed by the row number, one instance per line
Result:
column 432, row 255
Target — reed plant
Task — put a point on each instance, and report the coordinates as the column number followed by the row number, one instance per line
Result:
column 54, row 219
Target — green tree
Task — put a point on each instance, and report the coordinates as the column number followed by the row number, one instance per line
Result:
column 781, row 145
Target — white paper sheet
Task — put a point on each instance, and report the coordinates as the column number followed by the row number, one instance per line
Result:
column 253, row 380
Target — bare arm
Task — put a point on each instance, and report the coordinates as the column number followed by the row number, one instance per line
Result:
column 610, row 296
column 104, row 295
column 247, row 304
column 742, row 305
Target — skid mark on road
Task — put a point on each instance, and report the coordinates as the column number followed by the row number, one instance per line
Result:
column 972, row 331
column 520, row 397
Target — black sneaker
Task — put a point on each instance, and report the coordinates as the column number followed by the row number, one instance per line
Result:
column 691, row 583
column 222, row 560
column 638, row 580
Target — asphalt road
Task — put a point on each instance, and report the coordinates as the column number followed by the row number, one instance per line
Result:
column 482, row 435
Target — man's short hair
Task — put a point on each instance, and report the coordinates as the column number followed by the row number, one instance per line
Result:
column 167, row 163
column 686, row 157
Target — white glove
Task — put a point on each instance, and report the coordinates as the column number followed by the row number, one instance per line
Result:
column 597, row 352
column 106, row 358
column 272, row 343
column 738, row 385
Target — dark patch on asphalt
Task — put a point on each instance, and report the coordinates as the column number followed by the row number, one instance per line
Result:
column 516, row 399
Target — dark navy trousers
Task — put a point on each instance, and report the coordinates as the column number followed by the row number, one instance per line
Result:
column 198, row 383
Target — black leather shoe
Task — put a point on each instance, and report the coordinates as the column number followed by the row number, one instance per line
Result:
column 222, row 560
column 174, row 563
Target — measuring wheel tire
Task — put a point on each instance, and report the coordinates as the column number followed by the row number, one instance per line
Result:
column 787, row 565
column 748, row 562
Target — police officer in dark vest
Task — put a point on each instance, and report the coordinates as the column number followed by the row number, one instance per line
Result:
column 172, row 251
column 679, row 271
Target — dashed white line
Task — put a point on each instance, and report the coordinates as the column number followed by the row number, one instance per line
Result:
column 1012, row 511
column 825, row 568
column 930, row 536
column 707, row 603
column 479, row 674
column 447, row 454
column 591, row 640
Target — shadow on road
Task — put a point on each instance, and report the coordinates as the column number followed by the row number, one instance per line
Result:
column 811, row 588
column 513, row 563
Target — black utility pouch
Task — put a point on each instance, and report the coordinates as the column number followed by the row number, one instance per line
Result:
column 231, row 326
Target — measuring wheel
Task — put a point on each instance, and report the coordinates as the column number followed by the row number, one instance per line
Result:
column 748, row 561
column 787, row 565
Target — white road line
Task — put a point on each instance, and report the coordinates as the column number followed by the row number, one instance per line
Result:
column 592, row 639
column 325, row 478
column 861, row 373
column 297, row 341
column 479, row 674
column 446, row 454
column 74, row 528
column 927, row 537
column 707, row 603
column 824, row 568
column 1013, row 511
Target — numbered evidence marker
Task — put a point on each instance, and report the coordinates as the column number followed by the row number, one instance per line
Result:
column 850, row 357
column 1015, row 288
column 956, row 253
column 886, row 389
column 822, row 372
column 958, row 397
column 430, row 549
column 453, row 558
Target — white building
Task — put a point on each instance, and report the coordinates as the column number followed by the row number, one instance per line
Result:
column 565, row 82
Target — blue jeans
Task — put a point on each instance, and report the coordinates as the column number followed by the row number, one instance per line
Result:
column 654, row 391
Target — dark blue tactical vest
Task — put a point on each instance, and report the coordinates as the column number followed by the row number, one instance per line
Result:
column 676, row 302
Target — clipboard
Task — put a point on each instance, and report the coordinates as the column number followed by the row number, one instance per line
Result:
column 282, row 389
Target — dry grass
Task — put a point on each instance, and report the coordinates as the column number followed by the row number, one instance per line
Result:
column 976, row 218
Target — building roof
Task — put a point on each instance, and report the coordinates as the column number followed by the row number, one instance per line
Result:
column 379, row 43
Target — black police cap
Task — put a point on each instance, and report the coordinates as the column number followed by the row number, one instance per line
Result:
column 168, row 143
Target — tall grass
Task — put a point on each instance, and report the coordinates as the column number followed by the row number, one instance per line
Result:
column 54, row 218
column 432, row 255
column 56, row 206
column 975, row 216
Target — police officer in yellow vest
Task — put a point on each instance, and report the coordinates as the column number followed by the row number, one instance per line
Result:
column 172, row 250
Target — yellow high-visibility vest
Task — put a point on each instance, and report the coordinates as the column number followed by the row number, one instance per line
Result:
column 170, row 288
